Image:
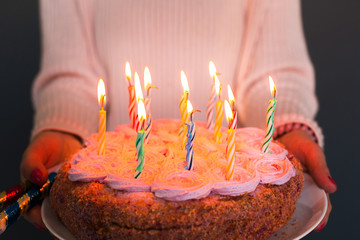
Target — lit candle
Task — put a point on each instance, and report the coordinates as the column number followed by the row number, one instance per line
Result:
column 230, row 142
column 140, row 152
column 131, row 107
column 138, row 97
column 190, row 137
column 219, row 112
column 232, row 105
column 212, row 99
column 102, row 117
column 270, row 117
column 183, row 109
column 147, row 85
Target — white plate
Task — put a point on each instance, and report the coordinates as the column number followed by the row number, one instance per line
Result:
column 310, row 209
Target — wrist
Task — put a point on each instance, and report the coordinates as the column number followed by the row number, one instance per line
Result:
column 285, row 123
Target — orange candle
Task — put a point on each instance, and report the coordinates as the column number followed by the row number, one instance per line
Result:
column 219, row 112
column 102, row 117
column 230, row 143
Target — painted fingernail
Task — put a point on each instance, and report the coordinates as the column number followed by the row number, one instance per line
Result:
column 320, row 228
column 39, row 227
column 36, row 176
column 332, row 180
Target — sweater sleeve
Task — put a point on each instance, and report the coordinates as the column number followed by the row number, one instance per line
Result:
column 276, row 47
column 64, row 92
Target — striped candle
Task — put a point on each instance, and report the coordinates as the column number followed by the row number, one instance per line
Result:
column 183, row 109
column 219, row 112
column 269, row 118
column 131, row 89
column 232, row 105
column 230, row 141
column 148, row 86
column 10, row 195
column 212, row 98
column 102, row 117
column 24, row 203
column 148, row 119
column 140, row 152
column 131, row 107
column 190, row 138
column 138, row 97
column 218, row 121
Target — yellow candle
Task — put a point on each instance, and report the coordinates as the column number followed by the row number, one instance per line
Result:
column 219, row 112
column 183, row 109
column 102, row 117
column 230, row 143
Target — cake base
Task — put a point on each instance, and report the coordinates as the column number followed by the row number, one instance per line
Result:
column 95, row 211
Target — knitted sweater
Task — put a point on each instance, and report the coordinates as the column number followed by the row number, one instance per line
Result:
column 247, row 40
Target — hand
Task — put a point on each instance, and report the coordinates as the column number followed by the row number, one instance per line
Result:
column 313, row 160
column 46, row 150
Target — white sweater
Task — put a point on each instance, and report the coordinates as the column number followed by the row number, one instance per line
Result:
column 247, row 40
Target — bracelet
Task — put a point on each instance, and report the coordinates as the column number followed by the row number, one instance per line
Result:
column 288, row 127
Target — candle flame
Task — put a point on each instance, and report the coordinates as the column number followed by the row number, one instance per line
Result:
column 228, row 111
column 217, row 86
column 189, row 106
column 101, row 92
column 147, row 79
column 272, row 87
column 212, row 69
column 141, row 111
column 231, row 95
column 138, row 91
column 184, row 82
column 127, row 70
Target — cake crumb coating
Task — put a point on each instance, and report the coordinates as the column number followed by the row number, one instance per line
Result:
column 92, row 210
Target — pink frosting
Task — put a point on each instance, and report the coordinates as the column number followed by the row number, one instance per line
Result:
column 164, row 173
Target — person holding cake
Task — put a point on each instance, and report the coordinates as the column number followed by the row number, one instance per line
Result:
column 247, row 40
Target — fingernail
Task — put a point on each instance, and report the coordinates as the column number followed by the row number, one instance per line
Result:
column 36, row 176
column 320, row 228
column 332, row 180
column 39, row 227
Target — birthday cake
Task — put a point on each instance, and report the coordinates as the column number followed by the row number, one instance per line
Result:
column 98, row 197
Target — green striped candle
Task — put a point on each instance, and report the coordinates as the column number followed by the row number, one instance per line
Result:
column 269, row 118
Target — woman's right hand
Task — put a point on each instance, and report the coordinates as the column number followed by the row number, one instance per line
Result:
column 46, row 150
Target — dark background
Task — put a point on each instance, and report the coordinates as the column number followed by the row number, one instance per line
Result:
column 332, row 30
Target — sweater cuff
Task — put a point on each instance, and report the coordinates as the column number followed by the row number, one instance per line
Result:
column 67, row 112
column 287, row 122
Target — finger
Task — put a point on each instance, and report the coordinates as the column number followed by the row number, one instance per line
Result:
column 34, row 217
column 316, row 165
column 32, row 165
column 324, row 221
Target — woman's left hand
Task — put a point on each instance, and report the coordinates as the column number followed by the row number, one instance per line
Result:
column 313, row 160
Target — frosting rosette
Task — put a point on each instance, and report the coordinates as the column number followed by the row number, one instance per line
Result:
column 244, row 181
column 273, row 170
column 86, row 171
column 121, row 177
column 164, row 171
column 181, row 185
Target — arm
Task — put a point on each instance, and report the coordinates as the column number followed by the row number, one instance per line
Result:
column 277, row 47
column 64, row 92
